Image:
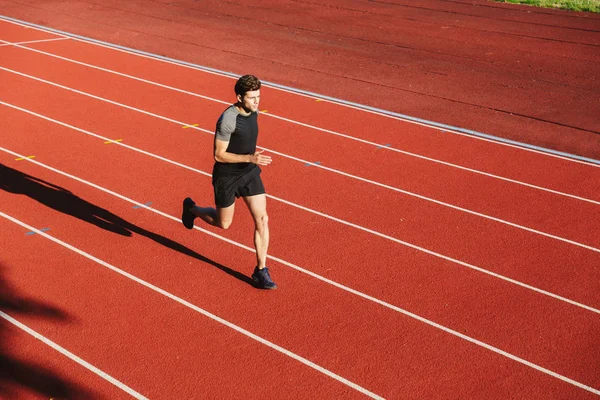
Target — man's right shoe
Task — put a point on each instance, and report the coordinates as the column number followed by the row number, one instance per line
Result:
column 186, row 215
column 262, row 279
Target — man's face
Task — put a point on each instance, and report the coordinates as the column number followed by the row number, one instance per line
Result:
column 250, row 100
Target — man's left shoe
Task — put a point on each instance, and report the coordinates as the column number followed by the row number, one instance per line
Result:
column 262, row 279
column 186, row 215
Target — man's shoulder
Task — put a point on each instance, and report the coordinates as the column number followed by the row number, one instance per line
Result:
column 229, row 112
column 227, row 120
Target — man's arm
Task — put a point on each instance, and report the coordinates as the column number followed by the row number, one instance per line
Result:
column 221, row 155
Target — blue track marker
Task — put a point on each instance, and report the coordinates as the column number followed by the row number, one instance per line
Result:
column 311, row 164
column 33, row 233
column 385, row 145
column 146, row 204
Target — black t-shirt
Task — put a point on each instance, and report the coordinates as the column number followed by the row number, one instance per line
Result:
column 241, row 131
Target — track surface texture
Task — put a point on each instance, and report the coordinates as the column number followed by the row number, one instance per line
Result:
column 517, row 72
column 414, row 261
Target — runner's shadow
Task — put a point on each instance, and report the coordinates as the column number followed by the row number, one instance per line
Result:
column 62, row 200
column 17, row 375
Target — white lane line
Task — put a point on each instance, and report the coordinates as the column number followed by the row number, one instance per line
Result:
column 448, row 164
column 300, row 269
column 200, row 310
column 378, row 145
column 359, row 107
column 5, row 43
column 430, row 252
column 299, row 123
column 64, row 351
column 35, row 27
column 391, row 115
column 284, row 351
column 478, row 214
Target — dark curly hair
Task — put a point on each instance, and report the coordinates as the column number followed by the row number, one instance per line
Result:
column 246, row 83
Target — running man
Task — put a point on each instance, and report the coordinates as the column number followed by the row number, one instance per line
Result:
column 236, row 173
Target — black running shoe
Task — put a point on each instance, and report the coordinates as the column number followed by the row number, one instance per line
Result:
column 186, row 215
column 262, row 279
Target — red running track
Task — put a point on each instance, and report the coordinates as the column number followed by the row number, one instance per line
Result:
column 518, row 72
column 401, row 275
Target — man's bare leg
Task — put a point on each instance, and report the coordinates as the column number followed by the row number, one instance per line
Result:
column 220, row 217
column 258, row 208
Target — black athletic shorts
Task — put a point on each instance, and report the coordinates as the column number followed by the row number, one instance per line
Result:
column 227, row 188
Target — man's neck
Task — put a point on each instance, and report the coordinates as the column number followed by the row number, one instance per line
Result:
column 242, row 110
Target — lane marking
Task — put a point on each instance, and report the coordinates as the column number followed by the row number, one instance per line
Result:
column 438, row 202
column 33, row 232
column 407, row 244
column 24, row 158
column 385, row 145
column 189, row 126
column 145, row 205
column 5, row 43
column 200, row 310
column 290, row 354
column 35, row 27
column 66, row 352
column 441, row 127
column 113, row 141
column 293, row 266
column 195, row 127
column 344, row 103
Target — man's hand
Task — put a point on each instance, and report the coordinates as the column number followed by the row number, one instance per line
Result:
column 258, row 158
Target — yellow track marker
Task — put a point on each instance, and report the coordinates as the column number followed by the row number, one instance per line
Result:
column 189, row 126
column 23, row 158
column 113, row 141
column 317, row 100
column 264, row 111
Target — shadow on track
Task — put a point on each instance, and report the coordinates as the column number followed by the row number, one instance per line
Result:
column 62, row 200
column 18, row 376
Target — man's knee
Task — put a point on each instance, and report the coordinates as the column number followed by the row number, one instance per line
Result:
column 225, row 223
column 262, row 222
column 224, row 217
